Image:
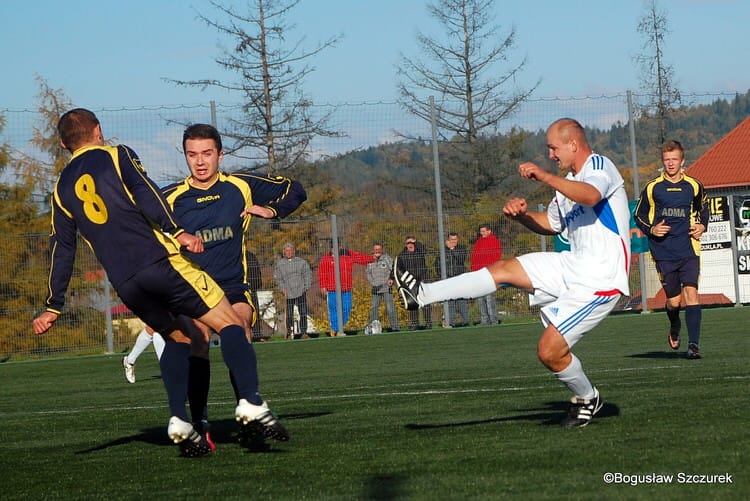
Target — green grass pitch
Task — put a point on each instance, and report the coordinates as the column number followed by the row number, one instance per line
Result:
column 448, row 414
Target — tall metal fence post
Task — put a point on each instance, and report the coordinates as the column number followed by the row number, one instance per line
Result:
column 439, row 203
column 636, row 193
column 108, row 315
column 542, row 238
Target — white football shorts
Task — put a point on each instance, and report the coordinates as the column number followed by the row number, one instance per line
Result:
column 574, row 311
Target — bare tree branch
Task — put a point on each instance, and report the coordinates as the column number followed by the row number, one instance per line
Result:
column 656, row 76
column 278, row 124
column 468, row 73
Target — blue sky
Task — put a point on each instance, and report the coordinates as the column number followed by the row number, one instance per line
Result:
column 115, row 53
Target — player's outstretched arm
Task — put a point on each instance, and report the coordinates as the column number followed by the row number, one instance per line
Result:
column 279, row 194
column 260, row 211
column 517, row 209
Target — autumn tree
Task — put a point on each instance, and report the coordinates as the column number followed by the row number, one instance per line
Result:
column 468, row 73
column 656, row 76
column 40, row 171
column 15, row 253
column 25, row 220
column 8, row 194
column 4, row 148
column 278, row 121
column 35, row 169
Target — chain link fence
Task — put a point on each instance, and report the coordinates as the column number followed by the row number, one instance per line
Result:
column 94, row 320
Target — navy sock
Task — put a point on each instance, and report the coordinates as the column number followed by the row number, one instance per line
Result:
column 693, row 320
column 674, row 319
column 234, row 386
column 199, row 381
column 239, row 356
column 174, row 375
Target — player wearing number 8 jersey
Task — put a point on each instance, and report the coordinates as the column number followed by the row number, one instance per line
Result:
column 104, row 194
column 117, row 210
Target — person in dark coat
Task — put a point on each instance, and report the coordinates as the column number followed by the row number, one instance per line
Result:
column 414, row 259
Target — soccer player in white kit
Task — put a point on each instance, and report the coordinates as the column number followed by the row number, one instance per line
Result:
column 577, row 288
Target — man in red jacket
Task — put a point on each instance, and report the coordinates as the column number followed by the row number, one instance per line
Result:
column 486, row 251
column 327, row 279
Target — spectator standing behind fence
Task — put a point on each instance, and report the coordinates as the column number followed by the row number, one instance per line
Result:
column 456, row 255
column 327, row 280
column 293, row 276
column 414, row 258
column 673, row 212
column 379, row 275
column 487, row 249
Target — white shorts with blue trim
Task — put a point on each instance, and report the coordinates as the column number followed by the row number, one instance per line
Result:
column 573, row 311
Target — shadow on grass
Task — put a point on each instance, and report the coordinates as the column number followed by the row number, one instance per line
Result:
column 223, row 431
column 670, row 355
column 551, row 414
column 154, row 436
column 384, row 487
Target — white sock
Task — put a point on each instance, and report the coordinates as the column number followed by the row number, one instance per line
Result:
column 158, row 344
column 576, row 381
column 141, row 343
column 467, row 285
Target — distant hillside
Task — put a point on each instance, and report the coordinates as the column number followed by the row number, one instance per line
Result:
column 401, row 174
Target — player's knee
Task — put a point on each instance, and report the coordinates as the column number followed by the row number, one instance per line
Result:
column 544, row 354
column 691, row 294
column 552, row 350
column 674, row 297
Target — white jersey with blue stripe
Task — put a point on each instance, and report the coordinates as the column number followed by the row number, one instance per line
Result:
column 599, row 255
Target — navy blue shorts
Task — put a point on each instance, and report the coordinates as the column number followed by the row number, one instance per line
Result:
column 674, row 275
column 170, row 287
column 237, row 294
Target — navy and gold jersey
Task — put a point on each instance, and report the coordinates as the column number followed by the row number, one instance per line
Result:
column 680, row 205
column 213, row 214
column 104, row 194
